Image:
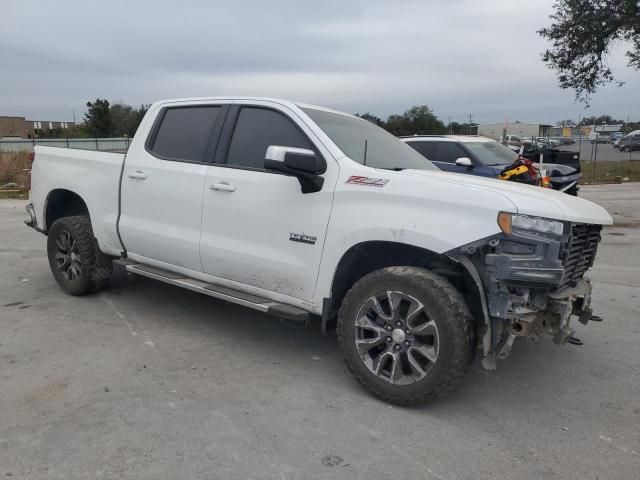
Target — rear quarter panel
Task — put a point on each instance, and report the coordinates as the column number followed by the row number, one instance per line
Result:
column 94, row 176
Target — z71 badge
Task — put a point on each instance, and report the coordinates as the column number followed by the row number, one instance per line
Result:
column 299, row 237
column 367, row 181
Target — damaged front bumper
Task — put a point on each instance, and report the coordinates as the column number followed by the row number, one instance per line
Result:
column 528, row 286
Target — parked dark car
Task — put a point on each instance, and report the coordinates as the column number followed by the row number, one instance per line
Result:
column 532, row 151
column 566, row 141
column 630, row 142
column 474, row 155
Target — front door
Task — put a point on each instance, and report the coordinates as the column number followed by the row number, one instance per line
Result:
column 258, row 228
column 163, row 182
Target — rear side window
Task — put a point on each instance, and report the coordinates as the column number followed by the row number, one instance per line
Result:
column 184, row 133
column 257, row 129
column 426, row 149
column 449, row 152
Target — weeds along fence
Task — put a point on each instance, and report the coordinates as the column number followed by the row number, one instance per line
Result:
column 14, row 169
column 100, row 144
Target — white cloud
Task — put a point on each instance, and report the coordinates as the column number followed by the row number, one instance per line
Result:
column 364, row 55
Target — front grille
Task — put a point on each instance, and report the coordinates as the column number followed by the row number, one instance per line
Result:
column 579, row 253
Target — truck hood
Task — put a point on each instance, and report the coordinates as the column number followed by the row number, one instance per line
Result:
column 527, row 199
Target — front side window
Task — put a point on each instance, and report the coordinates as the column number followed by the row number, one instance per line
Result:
column 426, row 149
column 257, row 129
column 449, row 152
column 366, row 143
column 184, row 133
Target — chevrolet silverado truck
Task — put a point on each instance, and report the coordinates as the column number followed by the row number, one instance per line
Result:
column 299, row 211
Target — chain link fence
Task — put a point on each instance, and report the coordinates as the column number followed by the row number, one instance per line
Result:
column 119, row 145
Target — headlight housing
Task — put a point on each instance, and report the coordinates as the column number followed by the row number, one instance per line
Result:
column 508, row 221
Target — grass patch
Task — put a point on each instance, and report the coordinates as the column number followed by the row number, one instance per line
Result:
column 611, row 172
column 9, row 194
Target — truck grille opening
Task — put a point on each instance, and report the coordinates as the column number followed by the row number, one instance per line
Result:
column 579, row 253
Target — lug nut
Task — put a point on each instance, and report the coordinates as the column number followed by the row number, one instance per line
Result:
column 407, row 343
column 389, row 339
column 398, row 324
column 407, row 331
column 396, row 347
column 388, row 327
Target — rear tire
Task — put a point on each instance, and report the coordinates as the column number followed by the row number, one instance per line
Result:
column 75, row 259
column 407, row 335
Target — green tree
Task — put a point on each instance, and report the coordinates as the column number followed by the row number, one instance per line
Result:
column 125, row 119
column 418, row 120
column 371, row 118
column 630, row 127
column 582, row 33
column 98, row 118
column 599, row 120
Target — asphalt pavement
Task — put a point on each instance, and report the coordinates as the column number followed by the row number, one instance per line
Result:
column 148, row 381
column 603, row 153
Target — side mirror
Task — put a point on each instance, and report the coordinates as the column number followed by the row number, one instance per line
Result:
column 464, row 162
column 301, row 163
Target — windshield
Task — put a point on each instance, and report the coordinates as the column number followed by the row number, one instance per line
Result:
column 492, row 153
column 368, row 144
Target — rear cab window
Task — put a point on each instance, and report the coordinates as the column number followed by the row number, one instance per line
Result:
column 185, row 133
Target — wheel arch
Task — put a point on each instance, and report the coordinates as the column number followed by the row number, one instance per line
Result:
column 62, row 202
column 366, row 257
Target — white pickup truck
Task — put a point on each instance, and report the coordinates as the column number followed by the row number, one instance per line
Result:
column 297, row 210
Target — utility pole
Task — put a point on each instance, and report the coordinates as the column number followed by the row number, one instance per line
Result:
column 73, row 112
column 470, row 117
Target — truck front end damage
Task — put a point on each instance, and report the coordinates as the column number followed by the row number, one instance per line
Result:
column 531, row 280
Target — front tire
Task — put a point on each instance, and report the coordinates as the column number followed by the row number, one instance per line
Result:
column 407, row 334
column 76, row 262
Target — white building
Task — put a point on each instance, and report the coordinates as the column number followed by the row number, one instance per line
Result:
column 520, row 129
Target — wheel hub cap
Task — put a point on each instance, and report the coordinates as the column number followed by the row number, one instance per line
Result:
column 398, row 335
column 67, row 256
column 395, row 338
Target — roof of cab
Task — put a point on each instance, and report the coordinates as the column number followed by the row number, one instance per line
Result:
column 280, row 101
column 450, row 138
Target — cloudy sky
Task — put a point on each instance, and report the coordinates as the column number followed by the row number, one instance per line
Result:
column 458, row 57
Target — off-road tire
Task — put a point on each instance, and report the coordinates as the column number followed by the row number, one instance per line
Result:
column 95, row 268
column 444, row 305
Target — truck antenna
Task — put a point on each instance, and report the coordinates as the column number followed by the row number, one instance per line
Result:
column 365, row 152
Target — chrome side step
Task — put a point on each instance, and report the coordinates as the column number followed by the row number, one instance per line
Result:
column 255, row 302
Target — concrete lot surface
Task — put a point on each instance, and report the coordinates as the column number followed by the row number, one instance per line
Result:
column 148, row 381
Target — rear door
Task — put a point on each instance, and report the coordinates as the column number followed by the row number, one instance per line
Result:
column 162, row 185
column 258, row 228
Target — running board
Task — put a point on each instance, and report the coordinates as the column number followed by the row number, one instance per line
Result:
column 255, row 302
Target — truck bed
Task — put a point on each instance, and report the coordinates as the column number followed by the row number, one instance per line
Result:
column 95, row 176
